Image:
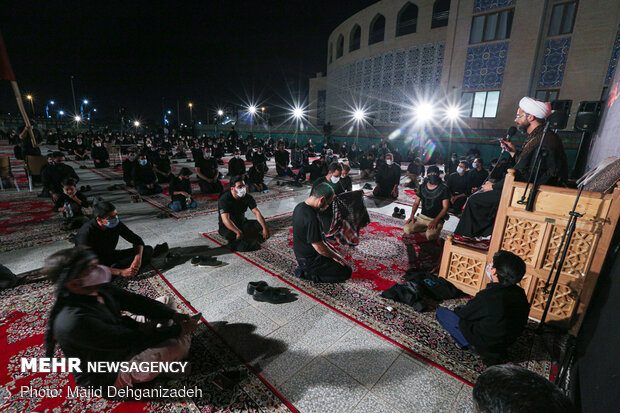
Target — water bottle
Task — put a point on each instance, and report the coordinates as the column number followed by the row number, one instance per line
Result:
column 68, row 211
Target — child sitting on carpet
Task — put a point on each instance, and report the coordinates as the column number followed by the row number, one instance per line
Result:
column 181, row 191
column 70, row 203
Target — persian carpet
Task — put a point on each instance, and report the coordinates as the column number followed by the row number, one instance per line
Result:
column 406, row 196
column 23, row 315
column 378, row 262
column 27, row 220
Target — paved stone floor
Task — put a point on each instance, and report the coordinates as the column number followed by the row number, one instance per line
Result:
column 319, row 360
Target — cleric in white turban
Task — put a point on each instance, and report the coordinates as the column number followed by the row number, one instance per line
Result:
column 535, row 107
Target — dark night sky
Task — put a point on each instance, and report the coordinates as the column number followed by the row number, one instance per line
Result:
column 133, row 53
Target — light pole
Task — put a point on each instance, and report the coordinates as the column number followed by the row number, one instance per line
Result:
column 47, row 109
column 191, row 118
column 84, row 102
column 31, row 99
column 73, row 93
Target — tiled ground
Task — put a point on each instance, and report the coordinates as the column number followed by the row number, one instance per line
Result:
column 319, row 360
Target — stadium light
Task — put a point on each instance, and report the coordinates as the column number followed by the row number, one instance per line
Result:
column 61, row 113
column 29, row 97
column 77, row 118
column 52, row 102
column 136, row 124
column 453, row 113
column 220, row 112
column 298, row 113
column 252, row 109
column 359, row 115
column 86, row 101
column 424, row 112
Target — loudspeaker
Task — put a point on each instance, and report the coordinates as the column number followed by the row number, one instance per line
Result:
column 587, row 116
column 560, row 110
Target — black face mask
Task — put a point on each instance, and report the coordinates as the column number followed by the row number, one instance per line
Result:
column 434, row 179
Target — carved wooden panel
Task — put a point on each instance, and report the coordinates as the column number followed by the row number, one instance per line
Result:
column 521, row 238
column 464, row 269
column 525, row 284
column 562, row 305
column 578, row 254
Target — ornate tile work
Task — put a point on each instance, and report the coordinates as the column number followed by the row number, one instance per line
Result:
column 382, row 82
column 554, row 62
column 485, row 5
column 484, row 66
column 613, row 62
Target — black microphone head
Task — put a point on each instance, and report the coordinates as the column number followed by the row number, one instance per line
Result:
column 511, row 132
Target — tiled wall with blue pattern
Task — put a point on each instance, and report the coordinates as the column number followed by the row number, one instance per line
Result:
column 554, row 62
column 484, row 66
column 485, row 5
column 613, row 62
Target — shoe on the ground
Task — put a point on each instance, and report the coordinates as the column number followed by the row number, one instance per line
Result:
column 209, row 262
column 160, row 249
column 396, row 213
column 253, row 285
column 270, row 295
column 402, row 213
column 195, row 260
column 367, row 186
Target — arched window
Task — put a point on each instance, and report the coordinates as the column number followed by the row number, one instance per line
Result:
column 407, row 20
column 441, row 12
column 331, row 53
column 339, row 46
column 377, row 29
column 354, row 38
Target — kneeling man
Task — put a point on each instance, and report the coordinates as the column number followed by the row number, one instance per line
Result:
column 496, row 316
column 242, row 234
column 318, row 261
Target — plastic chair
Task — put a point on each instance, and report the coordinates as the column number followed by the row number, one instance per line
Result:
column 33, row 166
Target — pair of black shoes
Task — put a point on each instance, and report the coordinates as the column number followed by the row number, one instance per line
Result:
column 260, row 291
column 399, row 213
column 367, row 186
column 205, row 261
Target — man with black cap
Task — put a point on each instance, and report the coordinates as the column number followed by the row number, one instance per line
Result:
column 479, row 214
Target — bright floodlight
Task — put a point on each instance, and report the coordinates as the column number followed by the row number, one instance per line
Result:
column 86, row 101
column 220, row 112
column 252, row 109
column 136, row 124
column 191, row 104
column 61, row 113
column 298, row 113
column 29, row 97
column 169, row 112
column 51, row 102
column 359, row 115
column 424, row 112
column 77, row 118
column 453, row 113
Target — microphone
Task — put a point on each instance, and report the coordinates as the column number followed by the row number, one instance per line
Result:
column 510, row 133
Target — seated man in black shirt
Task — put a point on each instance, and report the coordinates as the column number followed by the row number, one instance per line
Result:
column 79, row 150
column 236, row 165
column 87, row 322
column 208, row 174
column 496, row 316
column 415, row 170
column 435, row 198
column 70, row 203
column 100, row 155
column 180, row 190
column 367, row 166
column 458, row 184
column 101, row 235
column 54, row 173
column 317, row 260
column 387, row 179
column 162, row 167
column 318, row 169
column 345, row 179
column 282, row 158
column 130, row 163
column 334, row 170
column 476, row 176
column 241, row 233
column 145, row 179
column 256, row 178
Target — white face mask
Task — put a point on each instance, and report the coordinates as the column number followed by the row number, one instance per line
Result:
column 241, row 192
column 237, row 156
column 388, row 162
column 474, row 165
column 459, row 170
column 335, row 179
column 99, row 275
column 97, row 144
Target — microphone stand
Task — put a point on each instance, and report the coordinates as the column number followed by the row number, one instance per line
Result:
column 535, row 170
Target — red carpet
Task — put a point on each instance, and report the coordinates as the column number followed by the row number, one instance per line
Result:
column 379, row 262
column 22, row 325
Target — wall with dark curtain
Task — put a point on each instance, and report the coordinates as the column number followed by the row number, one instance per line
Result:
column 595, row 380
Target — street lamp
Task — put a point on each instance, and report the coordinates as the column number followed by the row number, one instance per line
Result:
column 31, row 99
column 191, row 116
column 47, row 108
column 84, row 102
column 298, row 114
column 252, row 110
column 136, row 124
column 359, row 117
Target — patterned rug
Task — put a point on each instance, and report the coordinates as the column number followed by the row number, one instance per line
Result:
column 406, row 196
column 27, row 221
column 379, row 262
column 23, row 318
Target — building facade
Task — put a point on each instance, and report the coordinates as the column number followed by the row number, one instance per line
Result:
column 483, row 55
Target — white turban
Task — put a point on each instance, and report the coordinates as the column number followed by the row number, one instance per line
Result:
column 535, row 107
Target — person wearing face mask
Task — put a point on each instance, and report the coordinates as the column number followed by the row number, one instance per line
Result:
column 236, row 166
column 367, row 167
column 100, row 155
column 344, row 150
column 458, row 184
column 318, row 169
column 334, row 170
column 70, row 203
column 373, row 150
column 130, row 163
column 180, row 190
column 345, row 180
column 79, row 150
column 162, row 167
column 317, row 260
column 145, row 179
column 476, row 176
column 415, row 170
column 331, row 157
column 256, row 178
column 180, row 151
column 208, row 174
column 282, row 159
column 87, row 322
column 241, row 233
column 387, row 179
column 453, row 163
column 101, row 234
column 54, row 173
column 260, row 158
column 496, row 316
column 434, row 196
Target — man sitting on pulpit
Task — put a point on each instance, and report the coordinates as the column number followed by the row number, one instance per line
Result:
column 496, row 316
column 479, row 215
